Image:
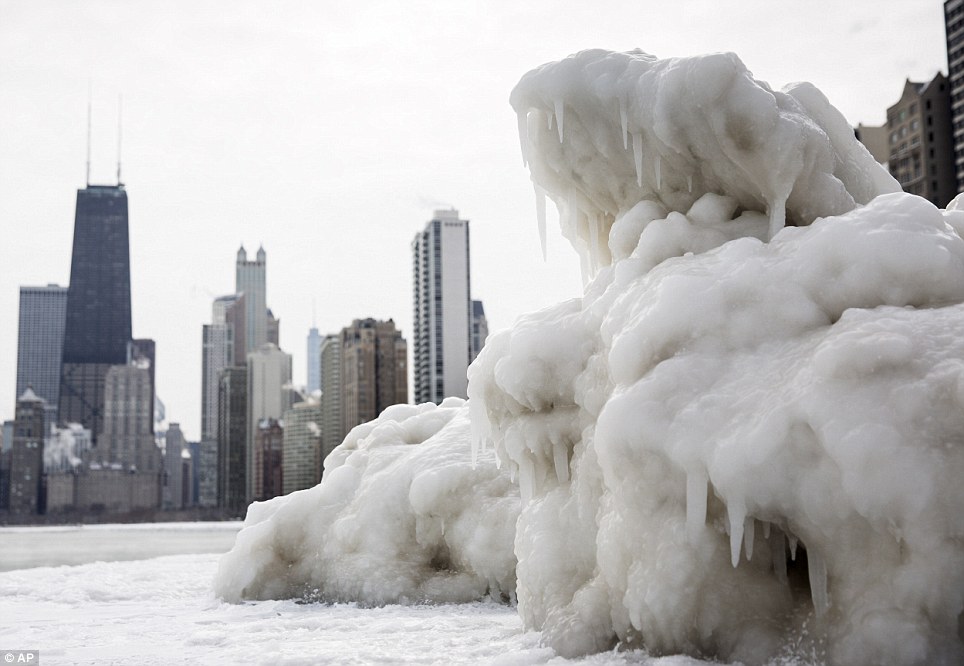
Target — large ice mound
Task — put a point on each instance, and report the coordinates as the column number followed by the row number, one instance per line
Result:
column 401, row 516
column 731, row 447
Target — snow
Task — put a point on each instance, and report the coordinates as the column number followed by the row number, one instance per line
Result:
column 162, row 610
column 401, row 515
column 744, row 441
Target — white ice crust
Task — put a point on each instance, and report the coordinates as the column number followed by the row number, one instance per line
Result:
column 401, row 516
column 744, row 442
column 717, row 405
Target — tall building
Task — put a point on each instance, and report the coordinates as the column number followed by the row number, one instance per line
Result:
column 442, row 336
column 174, row 442
column 250, row 280
column 232, row 439
column 480, row 329
column 332, row 423
column 920, row 144
column 314, row 360
column 269, row 376
column 303, row 452
column 40, row 343
column 954, row 33
column 268, row 452
column 98, row 318
column 127, row 436
column 26, row 495
column 374, row 370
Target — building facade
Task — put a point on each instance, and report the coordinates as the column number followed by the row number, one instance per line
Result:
column 98, row 315
column 269, row 377
column 303, row 453
column 920, row 142
column 954, row 34
column 250, row 280
column 332, row 422
column 174, row 443
column 268, row 459
column 480, row 328
column 442, row 319
column 232, row 439
column 374, row 370
column 314, row 360
column 26, row 491
column 40, row 343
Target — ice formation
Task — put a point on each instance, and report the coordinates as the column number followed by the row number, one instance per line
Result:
column 742, row 436
column 744, row 440
column 401, row 516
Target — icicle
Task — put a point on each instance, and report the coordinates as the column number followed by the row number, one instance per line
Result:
column 560, row 116
column 766, row 529
column 549, row 118
column 443, row 526
column 749, row 531
column 526, row 479
column 592, row 221
column 793, row 547
column 778, row 216
column 695, row 504
column 523, row 121
column 778, row 553
column 689, row 182
column 737, row 516
column 817, row 569
column 541, row 217
column 659, row 172
column 560, row 456
column 624, row 122
column 638, row 157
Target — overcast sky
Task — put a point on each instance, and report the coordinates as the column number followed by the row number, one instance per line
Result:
column 329, row 131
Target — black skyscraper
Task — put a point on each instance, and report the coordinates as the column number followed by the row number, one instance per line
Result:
column 98, row 327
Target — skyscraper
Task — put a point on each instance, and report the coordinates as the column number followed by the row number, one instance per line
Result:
column 40, row 343
column 250, row 280
column 442, row 336
column 302, row 449
column 232, row 438
column 480, row 328
column 314, row 360
column 332, row 423
column 98, row 317
column 374, row 370
column 27, row 456
column 269, row 375
column 954, row 34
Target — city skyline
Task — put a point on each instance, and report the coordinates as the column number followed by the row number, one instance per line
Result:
column 328, row 138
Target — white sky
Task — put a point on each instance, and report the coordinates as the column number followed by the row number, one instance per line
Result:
column 329, row 131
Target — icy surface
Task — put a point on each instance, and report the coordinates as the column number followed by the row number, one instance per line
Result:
column 727, row 387
column 401, row 516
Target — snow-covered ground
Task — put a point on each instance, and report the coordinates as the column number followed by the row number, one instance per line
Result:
column 163, row 610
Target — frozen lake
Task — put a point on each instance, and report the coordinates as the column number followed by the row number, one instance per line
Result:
column 117, row 594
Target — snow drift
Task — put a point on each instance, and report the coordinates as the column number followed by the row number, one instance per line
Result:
column 745, row 441
column 400, row 516
column 730, row 446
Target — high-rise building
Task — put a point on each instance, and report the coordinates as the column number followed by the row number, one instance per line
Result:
column 250, row 280
column 127, row 437
column 174, row 442
column 374, row 370
column 40, row 343
column 232, row 439
column 98, row 318
column 480, row 328
column 332, row 422
column 268, row 459
column 27, row 456
column 920, row 143
column 269, row 376
column 954, row 33
column 442, row 336
column 303, row 452
column 314, row 360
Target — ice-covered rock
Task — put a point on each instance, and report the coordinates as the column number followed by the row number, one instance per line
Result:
column 743, row 436
column 401, row 516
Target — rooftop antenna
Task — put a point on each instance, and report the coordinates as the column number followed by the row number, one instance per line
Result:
column 314, row 319
column 120, row 110
column 89, row 89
